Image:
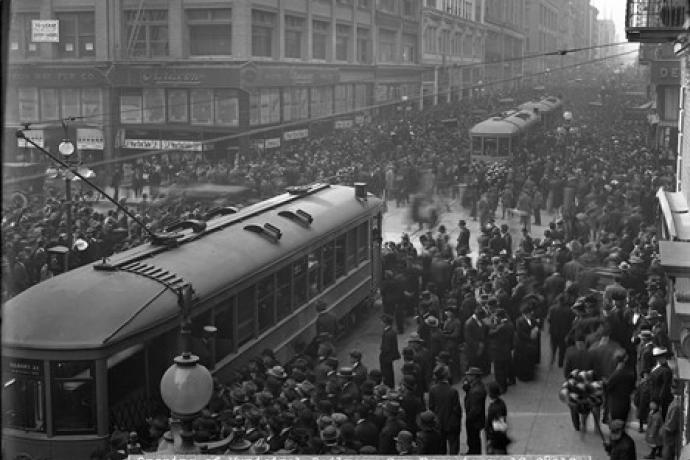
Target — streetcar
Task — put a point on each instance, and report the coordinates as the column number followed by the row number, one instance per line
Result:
column 84, row 352
column 496, row 138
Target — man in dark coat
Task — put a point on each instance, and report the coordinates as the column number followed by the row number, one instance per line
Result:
column 475, row 338
column 619, row 387
column 501, row 336
column 526, row 333
column 554, row 285
column 463, row 242
column 621, row 446
column 475, row 406
column 452, row 332
column 560, row 321
column 326, row 322
column 359, row 370
column 390, row 429
column 389, row 352
column 429, row 440
column 366, row 430
column 444, row 401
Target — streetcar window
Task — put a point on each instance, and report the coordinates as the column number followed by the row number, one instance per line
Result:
column 503, row 146
column 246, row 307
column 266, row 295
column 490, row 147
column 340, row 267
column 351, row 258
column 224, row 323
column 74, row 397
column 126, row 384
column 284, row 304
column 299, row 282
column 314, row 267
column 22, row 394
column 328, row 269
column 477, row 145
column 363, row 242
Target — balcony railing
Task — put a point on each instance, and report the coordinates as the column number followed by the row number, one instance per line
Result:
column 655, row 20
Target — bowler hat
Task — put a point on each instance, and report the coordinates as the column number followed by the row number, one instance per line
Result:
column 474, row 371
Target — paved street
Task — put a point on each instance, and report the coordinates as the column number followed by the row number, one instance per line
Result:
column 539, row 423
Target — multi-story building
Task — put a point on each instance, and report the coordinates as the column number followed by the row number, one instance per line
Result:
column 453, row 35
column 505, row 42
column 542, row 34
column 193, row 75
column 607, row 35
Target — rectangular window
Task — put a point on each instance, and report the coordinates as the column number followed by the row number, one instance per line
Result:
column 154, row 105
column 363, row 242
column 314, row 273
column 263, row 25
column 294, row 31
column 321, row 101
column 70, row 102
column 246, row 307
column 210, row 31
column 224, row 321
column 328, row 266
column 92, row 104
column 362, row 98
column 344, row 98
column 295, row 104
column 320, row 34
column 201, row 102
column 20, row 35
column 50, row 108
column 227, row 108
column 264, row 106
column 23, row 404
column 77, row 35
column 28, row 105
column 146, row 33
column 178, row 106
column 365, row 4
column 266, row 293
column 340, row 266
column 131, row 106
column 284, row 300
column 342, row 42
column 299, row 282
column 387, row 45
column 409, row 48
column 409, row 9
column 74, row 397
column 351, row 249
column 363, row 45
column 126, row 378
column 389, row 6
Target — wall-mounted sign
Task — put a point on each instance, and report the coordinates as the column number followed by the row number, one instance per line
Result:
column 192, row 146
column 665, row 73
column 272, row 143
column 45, row 31
column 35, row 135
column 297, row 134
column 142, row 144
column 89, row 139
column 343, row 124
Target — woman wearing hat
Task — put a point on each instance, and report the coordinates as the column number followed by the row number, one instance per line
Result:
column 660, row 379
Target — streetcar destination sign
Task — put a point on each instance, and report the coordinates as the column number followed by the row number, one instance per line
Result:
column 172, row 456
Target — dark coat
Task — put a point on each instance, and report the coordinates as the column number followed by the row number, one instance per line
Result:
column 619, row 388
column 501, row 338
column 390, row 430
column 389, row 345
column 560, row 320
column 367, row 432
column 327, row 322
column 475, row 405
column 444, row 401
column 430, row 442
column 497, row 409
column 475, row 337
column 576, row 359
column 661, row 378
column 623, row 449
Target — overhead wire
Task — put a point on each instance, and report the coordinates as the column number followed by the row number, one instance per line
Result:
column 301, row 123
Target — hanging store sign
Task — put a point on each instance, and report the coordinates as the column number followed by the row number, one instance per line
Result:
column 35, row 135
column 45, row 31
column 191, row 146
column 343, row 124
column 142, row 144
column 272, row 143
column 90, row 139
column 297, row 134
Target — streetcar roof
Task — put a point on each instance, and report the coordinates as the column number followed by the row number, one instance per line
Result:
column 494, row 126
column 87, row 308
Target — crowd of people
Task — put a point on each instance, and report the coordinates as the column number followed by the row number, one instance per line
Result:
column 592, row 281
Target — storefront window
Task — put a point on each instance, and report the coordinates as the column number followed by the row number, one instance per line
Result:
column 321, row 101
column 92, row 104
column 264, row 106
column 178, row 102
column 50, row 109
column 23, row 394
column 362, row 96
column 210, row 31
column 70, row 102
column 295, row 104
column 227, row 108
column 154, row 105
column 131, row 106
column 28, row 105
column 202, row 106
column 74, row 406
column 343, row 98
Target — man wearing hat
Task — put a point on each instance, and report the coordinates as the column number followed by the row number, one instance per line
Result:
column 620, row 445
column 444, row 402
column 475, row 337
column 661, row 378
column 326, row 322
column 429, row 440
column 452, row 332
column 500, row 337
column 475, row 406
column 349, row 389
column 392, row 426
column 422, row 358
column 672, row 423
column 359, row 370
column 645, row 362
column 404, row 443
column 463, row 242
column 560, row 320
column 389, row 351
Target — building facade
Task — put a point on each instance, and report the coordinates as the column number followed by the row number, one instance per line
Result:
column 505, row 43
column 453, row 36
column 542, row 35
column 192, row 75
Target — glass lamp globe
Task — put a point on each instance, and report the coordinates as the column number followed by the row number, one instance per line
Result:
column 66, row 148
column 187, row 386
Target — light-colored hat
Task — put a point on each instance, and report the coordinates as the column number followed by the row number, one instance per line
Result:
column 659, row 351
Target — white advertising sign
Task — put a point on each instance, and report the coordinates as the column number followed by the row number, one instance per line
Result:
column 192, row 146
column 45, row 31
column 89, row 139
column 343, row 124
column 272, row 143
column 297, row 134
column 35, row 135
column 143, row 144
